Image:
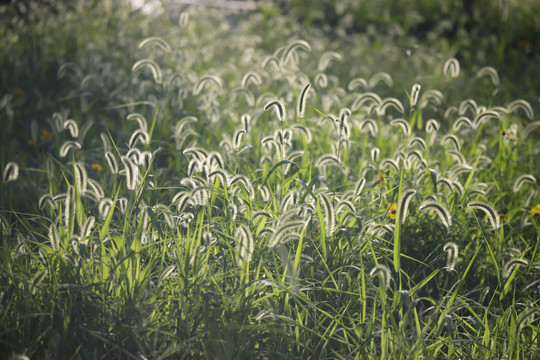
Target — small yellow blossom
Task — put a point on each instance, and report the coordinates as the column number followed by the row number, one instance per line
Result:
column 392, row 210
column 381, row 177
column 32, row 142
column 46, row 134
column 97, row 167
column 169, row 159
column 503, row 217
column 535, row 212
column 79, row 155
column 19, row 91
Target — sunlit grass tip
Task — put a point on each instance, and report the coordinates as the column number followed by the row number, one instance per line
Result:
column 67, row 146
column 291, row 49
column 140, row 120
column 329, row 214
column 403, row 203
column 381, row 76
column 46, row 199
column 415, row 91
column 522, row 180
column 375, row 152
column 54, row 237
column 301, row 104
column 155, row 41
column 492, row 214
column 280, row 109
column 440, row 210
column 183, row 19
column 245, row 244
column 383, row 273
column 81, row 176
column 484, row 115
column 452, row 253
column 112, row 162
column 404, row 124
column 132, row 173
column 251, row 77
column 11, row 172
column 521, row 104
column 105, row 205
column 510, row 265
column 139, row 135
column 152, row 65
column 279, row 235
column 491, row 73
column 390, row 102
column 73, row 128
column 451, row 68
column 358, row 187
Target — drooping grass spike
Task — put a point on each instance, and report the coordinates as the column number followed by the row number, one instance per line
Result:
column 329, row 214
column 403, row 203
column 510, row 265
column 73, row 128
column 140, row 120
column 451, row 68
column 154, row 68
column 245, row 245
column 280, row 109
column 492, row 214
column 521, row 104
column 452, row 253
column 290, row 50
column 383, row 273
column 327, row 58
column 414, row 94
column 132, row 173
column 11, row 172
column 155, row 41
column 440, row 210
column 112, row 162
column 491, row 73
column 301, row 106
column 67, row 146
column 523, row 179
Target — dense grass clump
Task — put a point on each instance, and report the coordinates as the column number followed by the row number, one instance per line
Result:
column 214, row 184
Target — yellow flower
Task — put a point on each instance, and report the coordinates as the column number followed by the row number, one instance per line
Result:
column 392, row 210
column 19, row 91
column 32, row 142
column 535, row 212
column 97, row 167
column 381, row 177
column 503, row 217
column 505, row 133
column 169, row 159
column 46, row 134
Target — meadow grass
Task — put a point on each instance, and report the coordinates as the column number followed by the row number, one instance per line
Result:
column 211, row 185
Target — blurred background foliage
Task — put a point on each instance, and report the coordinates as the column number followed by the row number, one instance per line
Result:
column 503, row 33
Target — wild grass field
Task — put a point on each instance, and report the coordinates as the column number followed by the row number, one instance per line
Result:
column 358, row 181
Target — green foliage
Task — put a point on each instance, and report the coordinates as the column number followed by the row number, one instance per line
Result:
column 385, row 206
